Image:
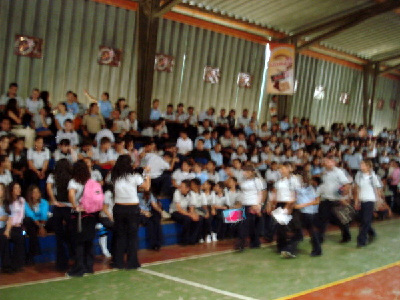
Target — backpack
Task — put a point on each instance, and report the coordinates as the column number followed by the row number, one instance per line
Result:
column 92, row 197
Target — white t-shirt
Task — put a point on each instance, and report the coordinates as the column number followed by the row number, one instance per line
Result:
column 222, row 200
column 6, row 178
column 332, row 181
column 184, row 146
column 73, row 185
column 72, row 136
column 38, row 158
column 182, row 200
column 34, row 106
column 104, row 133
column 367, row 186
column 208, row 199
column 125, row 189
column 157, row 165
column 103, row 157
column 197, row 199
column 251, row 189
column 272, row 175
column 285, row 190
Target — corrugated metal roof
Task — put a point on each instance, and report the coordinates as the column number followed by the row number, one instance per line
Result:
column 374, row 37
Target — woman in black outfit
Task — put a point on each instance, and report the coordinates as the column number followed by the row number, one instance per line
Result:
column 57, row 189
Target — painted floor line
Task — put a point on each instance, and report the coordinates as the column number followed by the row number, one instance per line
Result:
column 340, row 281
column 197, row 285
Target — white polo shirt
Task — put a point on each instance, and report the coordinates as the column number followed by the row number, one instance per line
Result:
column 285, row 190
column 71, row 136
column 156, row 164
column 179, row 176
column 332, row 181
column 184, row 145
column 251, row 189
column 197, row 199
column 208, row 199
column 6, row 178
column 182, row 200
column 38, row 158
column 73, row 185
column 125, row 189
column 34, row 105
column 103, row 157
column 367, row 186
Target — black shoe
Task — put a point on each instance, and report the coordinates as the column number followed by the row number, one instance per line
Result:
column 7, row 270
column 88, row 271
column 315, row 254
column 359, row 246
column 371, row 238
column 134, row 267
column 156, row 248
column 74, row 274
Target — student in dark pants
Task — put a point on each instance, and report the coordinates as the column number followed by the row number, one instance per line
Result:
column 126, row 211
column 179, row 211
column 4, row 234
column 36, row 215
column 367, row 191
column 252, row 199
column 335, row 187
column 150, row 216
column 57, row 189
column 307, row 202
column 83, row 234
column 16, row 206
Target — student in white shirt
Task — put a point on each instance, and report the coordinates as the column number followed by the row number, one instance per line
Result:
column 184, row 173
column 63, row 114
column 336, row 186
column 65, row 151
column 82, row 237
column 5, row 167
column 126, row 211
column 180, row 213
column 284, row 197
column 68, row 133
column 106, row 132
column 220, row 203
column 367, row 192
column 33, row 103
column 94, row 174
column 184, row 144
column 253, row 196
column 38, row 162
column 198, row 206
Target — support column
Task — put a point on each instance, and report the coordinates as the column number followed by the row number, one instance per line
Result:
column 147, row 30
column 374, row 82
column 366, row 69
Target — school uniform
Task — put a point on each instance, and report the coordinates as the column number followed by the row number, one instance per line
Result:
column 71, row 155
column 17, row 209
column 126, row 214
column 4, row 244
column 38, row 159
column 152, row 223
column 82, row 239
column 251, row 189
column 368, row 185
column 179, row 176
column 37, row 213
column 198, row 201
column 62, row 227
column 220, row 227
column 309, row 216
column 190, row 228
column 34, row 106
column 285, row 193
column 6, row 177
column 62, row 118
column 161, row 183
column 332, row 181
column 72, row 136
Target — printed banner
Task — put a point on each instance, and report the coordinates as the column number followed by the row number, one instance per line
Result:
column 245, row 80
column 164, row 63
column 109, row 56
column 281, row 69
column 28, row 46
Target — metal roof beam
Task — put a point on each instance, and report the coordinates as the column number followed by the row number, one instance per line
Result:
column 389, row 69
column 384, row 7
column 166, row 7
column 397, row 56
column 370, row 11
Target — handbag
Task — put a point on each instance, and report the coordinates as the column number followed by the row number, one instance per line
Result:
column 345, row 213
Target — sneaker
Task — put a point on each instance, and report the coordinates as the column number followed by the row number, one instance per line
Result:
column 287, row 254
column 201, row 241
column 214, row 236
column 208, row 239
column 107, row 254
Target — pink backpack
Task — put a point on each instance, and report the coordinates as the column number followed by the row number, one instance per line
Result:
column 92, row 198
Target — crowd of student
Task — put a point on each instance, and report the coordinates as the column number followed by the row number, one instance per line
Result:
column 205, row 163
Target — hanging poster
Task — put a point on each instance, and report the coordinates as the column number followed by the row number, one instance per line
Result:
column 211, row 74
column 164, row 63
column 28, row 46
column 380, row 104
column 109, row 56
column 344, row 98
column 280, row 79
column 245, row 80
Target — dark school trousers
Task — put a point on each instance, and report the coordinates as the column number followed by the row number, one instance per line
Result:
column 61, row 223
column 326, row 214
column 190, row 228
column 4, row 251
column 126, row 226
column 18, row 253
column 366, row 217
column 288, row 236
column 309, row 222
column 153, row 228
column 249, row 228
column 32, row 230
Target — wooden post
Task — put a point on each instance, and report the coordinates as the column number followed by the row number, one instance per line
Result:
column 147, row 30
